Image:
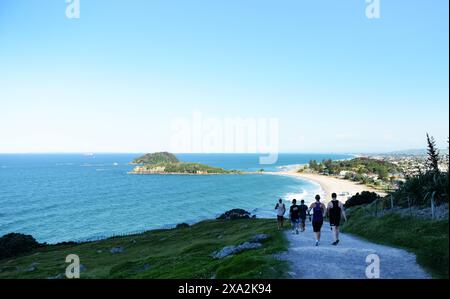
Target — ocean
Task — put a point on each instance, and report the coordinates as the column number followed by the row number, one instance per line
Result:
column 77, row 197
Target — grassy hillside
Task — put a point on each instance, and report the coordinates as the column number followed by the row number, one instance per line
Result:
column 427, row 239
column 173, row 253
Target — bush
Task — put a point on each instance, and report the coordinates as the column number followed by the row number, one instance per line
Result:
column 419, row 188
column 365, row 197
column 14, row 244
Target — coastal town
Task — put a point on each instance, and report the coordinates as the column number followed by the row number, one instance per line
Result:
column 384, row 171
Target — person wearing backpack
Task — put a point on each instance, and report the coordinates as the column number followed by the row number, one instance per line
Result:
column 319, row 210
column 335, row 211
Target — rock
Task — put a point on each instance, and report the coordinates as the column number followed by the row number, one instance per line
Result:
column 231, row 249
column 234, row 214
column 32, row 267
column 182, row 225
column 224, row 252
column 259, row 238
column 99, row 251
column 117, row 250
column 249, row 245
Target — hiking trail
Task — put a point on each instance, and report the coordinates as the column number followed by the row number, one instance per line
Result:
column 347, row 259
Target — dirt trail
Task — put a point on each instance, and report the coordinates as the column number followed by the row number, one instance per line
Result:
column 346, row 260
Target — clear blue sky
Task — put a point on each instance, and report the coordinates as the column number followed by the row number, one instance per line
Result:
column 113, row 80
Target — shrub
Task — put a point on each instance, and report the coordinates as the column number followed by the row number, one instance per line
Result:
column 362, row 198
column 13, row 244
column 419, row 188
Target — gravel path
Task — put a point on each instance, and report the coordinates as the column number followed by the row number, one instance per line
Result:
column 346, row 260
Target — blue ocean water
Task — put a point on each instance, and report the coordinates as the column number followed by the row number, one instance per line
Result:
column 75, row 197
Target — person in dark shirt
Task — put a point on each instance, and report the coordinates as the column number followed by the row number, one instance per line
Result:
column 294, row 213
column 303, row 210
column 335, row 211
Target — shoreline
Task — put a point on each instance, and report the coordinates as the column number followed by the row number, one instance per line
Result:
column 329, row 184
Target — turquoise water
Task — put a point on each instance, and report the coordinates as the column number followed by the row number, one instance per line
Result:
column 62, row 197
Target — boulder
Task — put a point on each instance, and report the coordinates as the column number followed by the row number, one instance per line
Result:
column 234, row 214
column 224, row 252
column 259, row 238
column 231, row 249
column 32, row 267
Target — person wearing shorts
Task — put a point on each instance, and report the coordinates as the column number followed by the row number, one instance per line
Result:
column 281, row 210
column 318, row 209
column 335, row 211
column 303, row 211
column 294, row 214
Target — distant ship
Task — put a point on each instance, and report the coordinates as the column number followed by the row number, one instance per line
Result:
column 88, row 154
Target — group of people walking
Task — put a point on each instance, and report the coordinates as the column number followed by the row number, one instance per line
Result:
column 298, row 213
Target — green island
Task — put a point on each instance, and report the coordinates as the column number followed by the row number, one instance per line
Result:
column 167, row 163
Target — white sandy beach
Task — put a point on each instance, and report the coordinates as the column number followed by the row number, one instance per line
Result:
column 330, row 184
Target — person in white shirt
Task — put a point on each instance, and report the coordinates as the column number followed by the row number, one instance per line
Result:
column 281, row 210
column 335, row 211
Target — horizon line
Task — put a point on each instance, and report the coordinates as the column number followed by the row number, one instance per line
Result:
column 213, row 153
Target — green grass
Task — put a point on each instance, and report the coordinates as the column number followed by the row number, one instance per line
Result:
column 426, row 238
column 172, row 253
